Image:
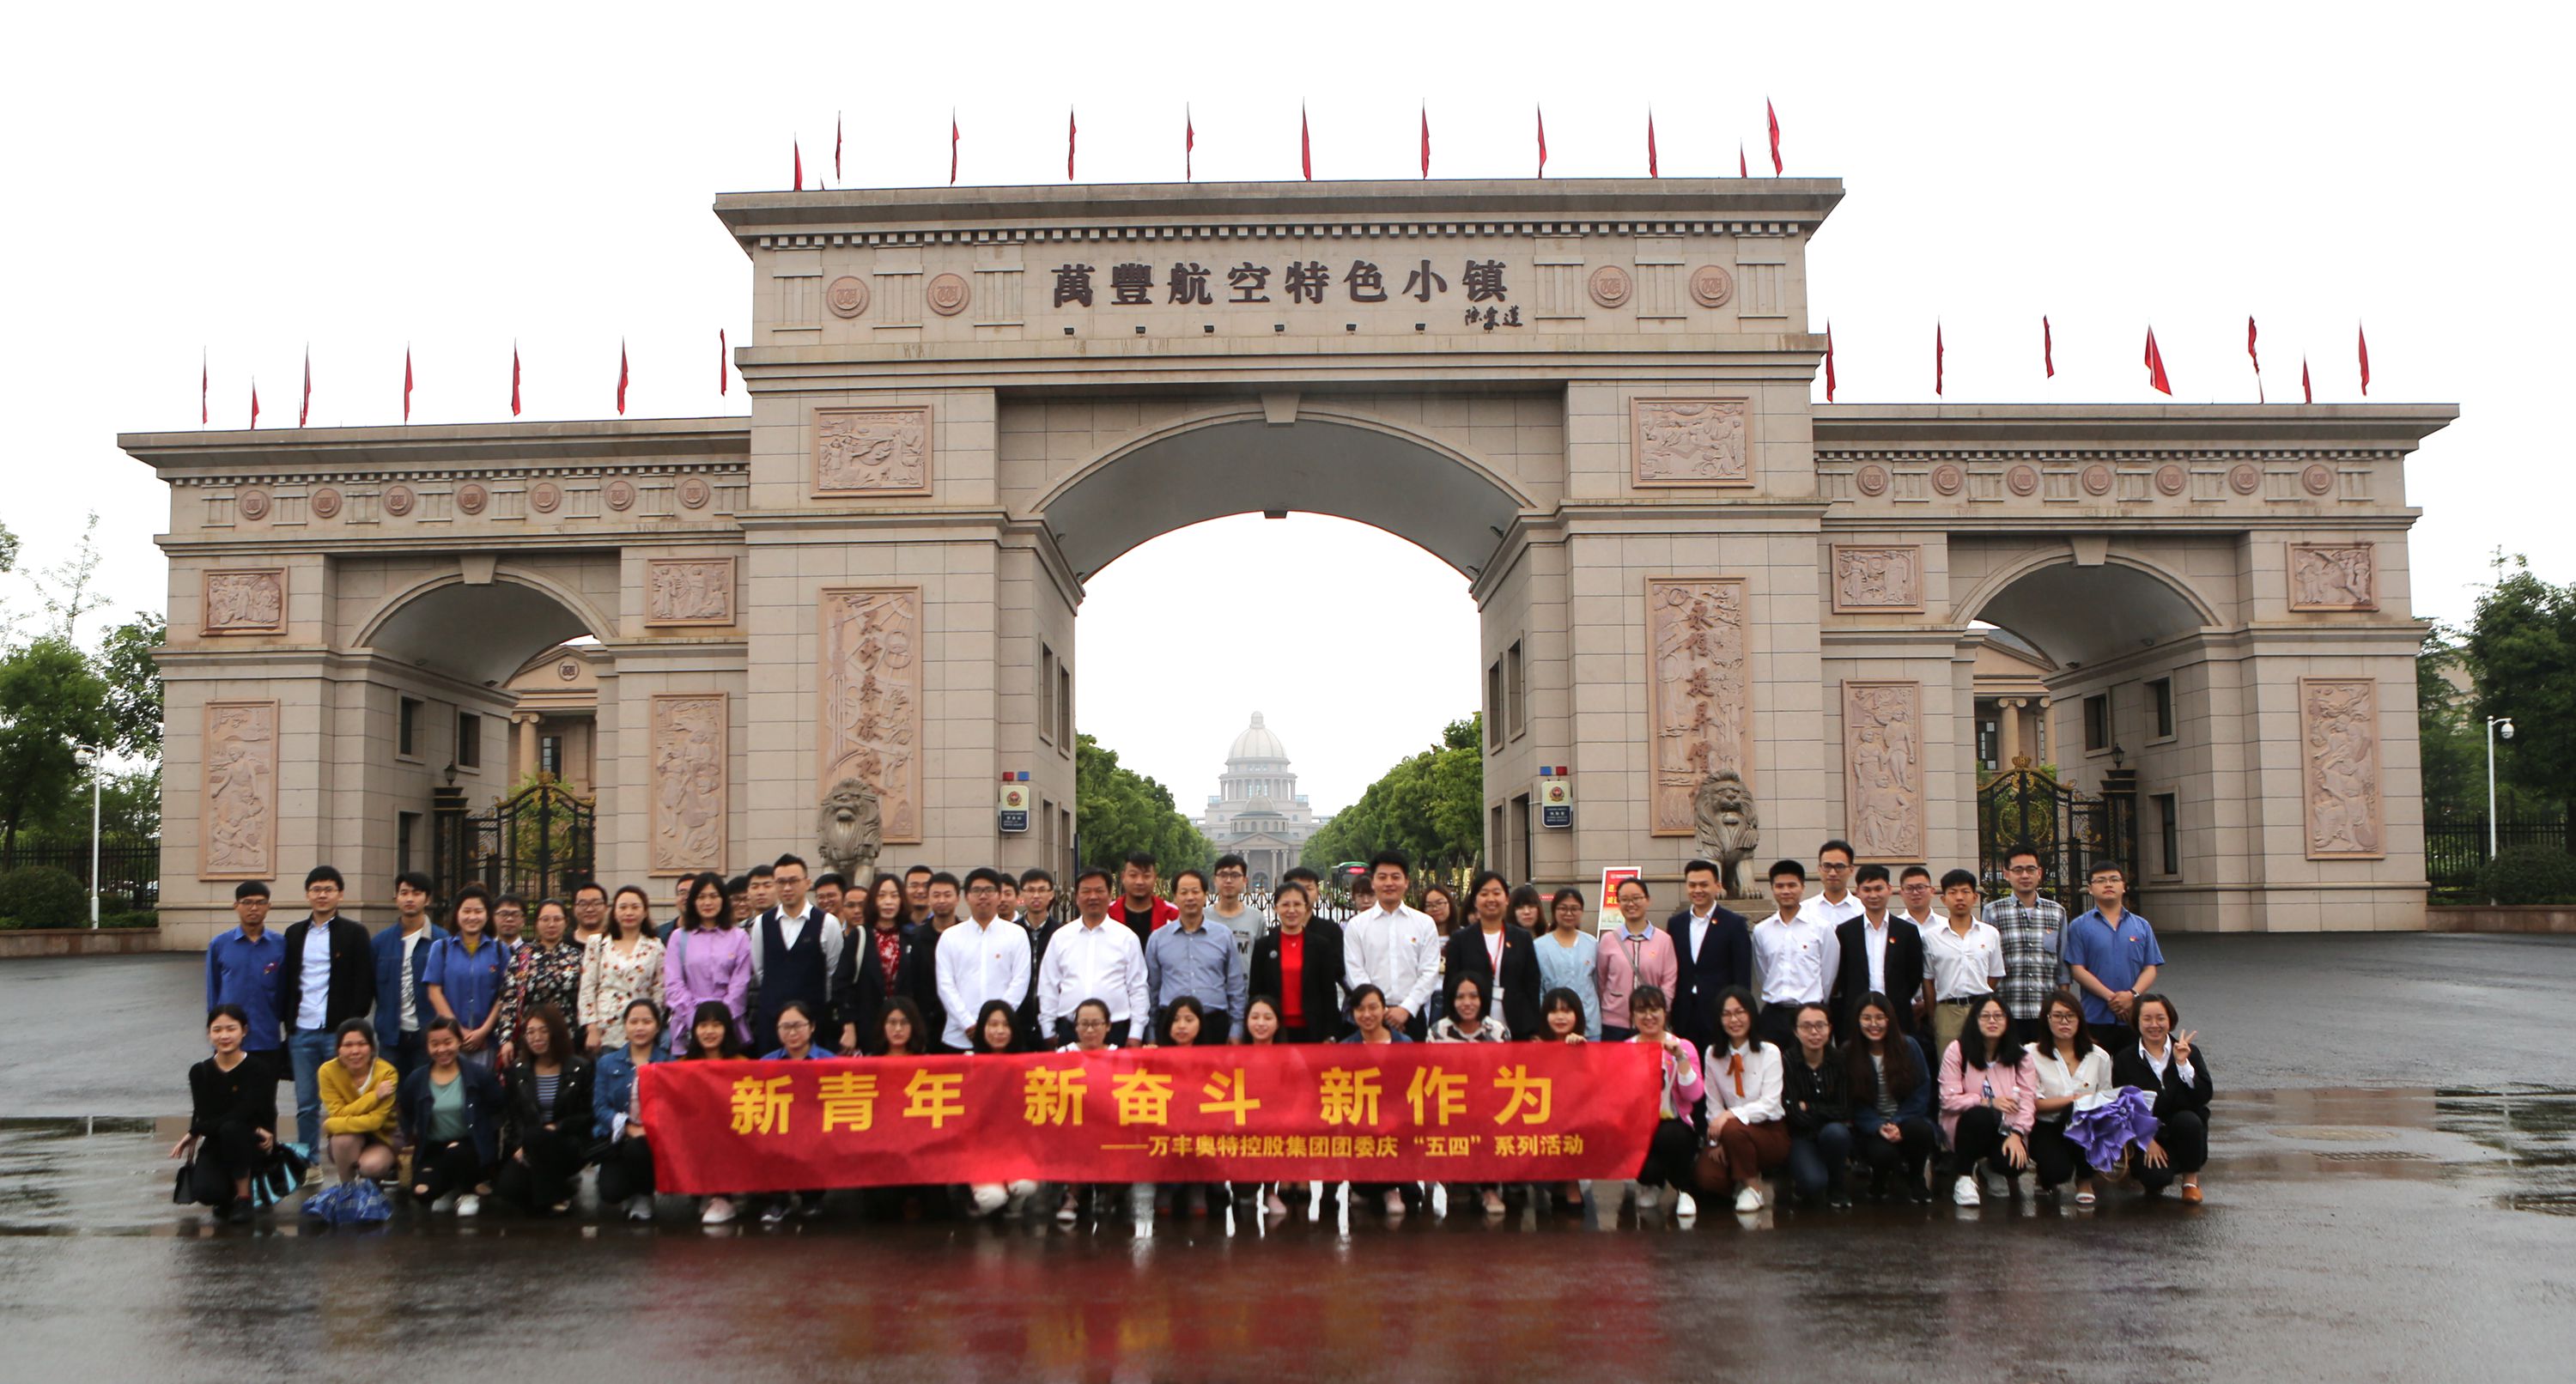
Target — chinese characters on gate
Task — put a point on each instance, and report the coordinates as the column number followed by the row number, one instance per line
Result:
column 1309, row 282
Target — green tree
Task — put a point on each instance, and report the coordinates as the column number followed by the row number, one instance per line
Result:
column 2454, row 765
column 50, row 702
column 1118, row 811
column 2520, row 650
column 134, row 685
column 1430, row 806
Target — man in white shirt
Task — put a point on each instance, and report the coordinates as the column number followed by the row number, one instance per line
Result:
column 1834, row 903
column 1796, row 954
column 1965, row 956
column 1229, row 911
column 1393, row 947
column 1092, row 960
column 795, row 948
column 981, row 958
column 1914, row 886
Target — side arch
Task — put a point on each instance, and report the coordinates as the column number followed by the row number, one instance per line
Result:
column 481, row 633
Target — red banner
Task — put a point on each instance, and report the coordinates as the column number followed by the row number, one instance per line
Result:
column 1455, row 1112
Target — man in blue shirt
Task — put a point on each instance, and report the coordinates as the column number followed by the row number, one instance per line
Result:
column 1187, row 957
column 2113, row 956
column 241, row 968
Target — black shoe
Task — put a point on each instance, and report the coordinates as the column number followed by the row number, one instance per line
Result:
column 1917, row 1192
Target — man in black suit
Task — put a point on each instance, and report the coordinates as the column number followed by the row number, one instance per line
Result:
column 1883, row 953
column 1714, row 945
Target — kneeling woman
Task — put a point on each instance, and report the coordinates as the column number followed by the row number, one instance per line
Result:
column 626, row 1170
column 451, row 1119
column 2168, row 1062
column 232, row 1120
column 996, row 1032
column 1816, row 1102
column 550, row 1112
column 713, row 1037
column 1746, row 1135
column 358, row 1090
column 1369, row 1025
column 1891, row 1100
column 1989, row 1096
column 1674, row 1147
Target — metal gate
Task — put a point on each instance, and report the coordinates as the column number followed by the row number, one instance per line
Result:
column 2024, row 806
column 538, row 843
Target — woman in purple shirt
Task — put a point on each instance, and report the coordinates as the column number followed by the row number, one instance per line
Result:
column 708, row 958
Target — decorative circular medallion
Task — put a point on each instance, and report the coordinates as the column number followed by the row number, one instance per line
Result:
column 2245, row 479
column 568, row 670
column 1611, row 286
column 325, row 503
column 948, row 295
column 2097, row 479
column 618, row 494
column 2318, row 478
column 1711, row 286
column 399, row 500
column 253, row 504
column 471, row 497
column 1947, row 478
column 847, row 297
column 2022, row 480
column 2171, row 479
column 544, row 496
column 695, row 492
column 1871, row 479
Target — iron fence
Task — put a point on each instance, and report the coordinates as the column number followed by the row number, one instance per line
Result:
column 129, row 870
column 2455, row 850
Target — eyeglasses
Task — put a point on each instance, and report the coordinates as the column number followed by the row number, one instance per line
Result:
column 794, row 1026
column 1091, row 1023
column 1814, row 1026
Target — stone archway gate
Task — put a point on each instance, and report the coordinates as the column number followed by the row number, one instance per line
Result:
column 1592, row 397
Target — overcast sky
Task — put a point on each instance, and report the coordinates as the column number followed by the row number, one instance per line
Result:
column 454, row 177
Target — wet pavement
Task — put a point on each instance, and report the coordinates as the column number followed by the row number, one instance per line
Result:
column 2392, row 1195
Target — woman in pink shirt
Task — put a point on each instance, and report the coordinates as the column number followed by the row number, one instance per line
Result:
column 708, row 958
column 1636, row 953
column 1674, row 1148
column 1989, row 1096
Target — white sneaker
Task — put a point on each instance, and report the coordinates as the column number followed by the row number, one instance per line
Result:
column 719, row 1211
column 468, row 1204
column 1065, row 1214
column 1965, row 1192
column 1646, row 1196
column 1684, row 1205
column 1748, row 1200
column 639, row 1208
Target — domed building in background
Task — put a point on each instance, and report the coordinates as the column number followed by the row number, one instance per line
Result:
column 1257, row 812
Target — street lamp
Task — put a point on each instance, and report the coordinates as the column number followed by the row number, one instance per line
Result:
column 88, row 762
column 2495, row 725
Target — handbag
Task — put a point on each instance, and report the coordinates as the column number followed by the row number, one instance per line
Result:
column 183, row 1184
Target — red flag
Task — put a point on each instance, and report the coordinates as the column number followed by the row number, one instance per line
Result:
column 1542, row 140
column 406, row 384
column 304, row 410
column 2364, row 338
column 2252, row 355
column 621, row 375
column 1741, row 170
column 1774, row 117
column 204, row 414
column 1650, row 144
column 836, row 144
column 2156, row 367
column 1305, row 146
column 2047, row 346
column 514, row 379
column 724, row 375
column 1189, row 143
column 1829, row 360
column 1426, row 139
column 1070, row 131
column 254, row 401
column 2306, row 390
column 1939, row 359
column 799, row 148
column 952, row 146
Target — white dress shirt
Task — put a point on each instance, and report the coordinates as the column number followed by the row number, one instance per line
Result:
column 1760, row 1103
column 1874, row 946
column 979, row 962
column 1101, row 962
column 1798, row 958
column 791, row 930
column 2188, row 1077
column 313, row 978
column 1832, row 915
column 1963, row 967
column 1398, row 951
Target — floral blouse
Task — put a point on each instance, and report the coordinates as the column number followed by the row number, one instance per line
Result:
column 539, row 976
column 1489, row 1030
column 613, row 977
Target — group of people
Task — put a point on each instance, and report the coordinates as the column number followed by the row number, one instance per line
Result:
column 1882, row 1030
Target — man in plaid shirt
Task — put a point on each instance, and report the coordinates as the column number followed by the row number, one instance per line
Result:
column 2034, row 930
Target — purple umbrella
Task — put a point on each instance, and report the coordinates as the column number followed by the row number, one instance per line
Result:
column 2105, row 1129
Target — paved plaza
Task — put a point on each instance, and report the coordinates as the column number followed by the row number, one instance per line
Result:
column 2392, row 1195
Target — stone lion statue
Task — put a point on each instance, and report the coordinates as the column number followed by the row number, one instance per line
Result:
column 849, row 831
column 1730, row 830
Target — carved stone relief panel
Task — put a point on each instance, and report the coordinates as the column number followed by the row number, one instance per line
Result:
column 690, row 753
column 2339, row 760
column 246, row 602
column 2333, row 576
column 873, row 451
column 688, row 591
column 237, row 805
column 1699, row 686
column 1878, row 578
column 1688, row 442
column 1883, row 769
column 870, row 690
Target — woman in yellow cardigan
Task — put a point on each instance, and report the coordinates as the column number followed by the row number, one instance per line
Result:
column 358, row 1120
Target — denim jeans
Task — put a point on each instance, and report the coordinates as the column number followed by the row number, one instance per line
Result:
column 308, row 1049
column 1817, row 1164
column 408, row 1054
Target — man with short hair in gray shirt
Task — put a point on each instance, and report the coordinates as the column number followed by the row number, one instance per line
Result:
column 1229, row 911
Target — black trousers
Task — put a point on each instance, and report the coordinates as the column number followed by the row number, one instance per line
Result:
column 627, row 1171
column 2115, row 1037
column 2060, row 1160
column 1670, row 1155
column 1906, row 1155
column 1980, row 1134
column 224, row 1157
column 2184, row 1136
column 438, row 1169
column 1779, row 1024
column 554, row 1158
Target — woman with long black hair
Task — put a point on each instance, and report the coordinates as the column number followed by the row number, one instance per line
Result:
column 1989, row 1096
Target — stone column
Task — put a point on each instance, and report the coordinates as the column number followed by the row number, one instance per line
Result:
column 523, row 756
column 2008, row 711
